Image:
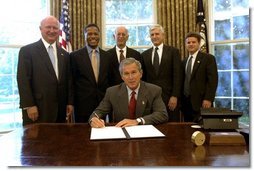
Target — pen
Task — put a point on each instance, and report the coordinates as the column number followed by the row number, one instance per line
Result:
column 96, row 115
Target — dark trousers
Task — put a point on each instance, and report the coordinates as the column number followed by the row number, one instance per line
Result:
column 189, row 114
column 174, row 116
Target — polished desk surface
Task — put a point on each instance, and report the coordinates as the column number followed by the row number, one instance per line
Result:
column 70, row 145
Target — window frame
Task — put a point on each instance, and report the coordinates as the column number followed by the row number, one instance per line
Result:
column 231, row 42
column 103, row 28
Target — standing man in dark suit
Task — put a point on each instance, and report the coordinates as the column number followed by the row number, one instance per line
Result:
column 132, row 102
column 162, row 67
column 200, row 79
column 121, row 51
column 45, row 86
column 91, row 74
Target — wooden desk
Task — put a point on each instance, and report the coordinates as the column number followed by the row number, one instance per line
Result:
column 69, row 145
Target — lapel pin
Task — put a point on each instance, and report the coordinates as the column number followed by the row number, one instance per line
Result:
column 143, row 102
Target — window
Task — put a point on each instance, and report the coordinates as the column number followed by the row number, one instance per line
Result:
column 19, row 28
column 230, row 45
column 137, row 20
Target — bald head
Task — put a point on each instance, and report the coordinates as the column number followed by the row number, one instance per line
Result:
column 50, row 29
column 121, row 36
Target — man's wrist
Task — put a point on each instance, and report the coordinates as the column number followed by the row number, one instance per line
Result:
column 140, row 121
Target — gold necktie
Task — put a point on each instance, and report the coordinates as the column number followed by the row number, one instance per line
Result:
column 95, row 64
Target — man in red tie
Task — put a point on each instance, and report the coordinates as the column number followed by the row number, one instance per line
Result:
column 132, row 102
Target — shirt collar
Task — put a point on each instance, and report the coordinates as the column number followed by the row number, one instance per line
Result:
column 118, row 49
column 89, row 49
column 194, row 55
column 160, row 46
column 130, row 91
column 46, row 44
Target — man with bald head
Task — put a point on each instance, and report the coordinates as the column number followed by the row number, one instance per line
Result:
column 44, row 78
column 121, row 51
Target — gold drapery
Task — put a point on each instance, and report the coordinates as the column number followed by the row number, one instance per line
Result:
column 82, row 12
column 178, row 17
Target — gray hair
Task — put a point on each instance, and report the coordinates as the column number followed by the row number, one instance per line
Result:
column 129, row 61
column 156, row 26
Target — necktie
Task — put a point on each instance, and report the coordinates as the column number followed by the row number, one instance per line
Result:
column 132, row 106
column 156, row 61
column 187, row 78
column 121, row 55
column 52, row 56
column 94, row 64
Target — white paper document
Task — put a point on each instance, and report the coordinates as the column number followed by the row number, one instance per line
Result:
column 143, row 131
column 112, row 132
column 108, row 132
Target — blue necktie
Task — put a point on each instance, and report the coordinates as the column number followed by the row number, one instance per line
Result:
column 52, row 56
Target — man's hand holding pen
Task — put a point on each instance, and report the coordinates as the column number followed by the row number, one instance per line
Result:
column 96, row 122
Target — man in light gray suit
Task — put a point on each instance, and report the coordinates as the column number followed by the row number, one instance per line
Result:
column 149, row 107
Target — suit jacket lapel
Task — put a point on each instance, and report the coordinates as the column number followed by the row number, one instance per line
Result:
column 123, row 101
column 149, row 60
column 88, row 65
column 163, row 59
column 60, row 57
column 115, row 58
column 141, row 100
column 102, row 66
column 42, row 51
column 196, row 64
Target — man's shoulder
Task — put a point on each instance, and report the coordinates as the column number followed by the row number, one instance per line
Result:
column 64, row 52
column 132, row 50
column 78, row 51
column 103, row 52
column 112, row 50
column 32, row 45
column 115, row 88
column 150, row 85
column 168, row 47
column 147, row 51
column 205, row 56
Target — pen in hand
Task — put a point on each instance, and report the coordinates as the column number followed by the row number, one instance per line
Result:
column 97, row 122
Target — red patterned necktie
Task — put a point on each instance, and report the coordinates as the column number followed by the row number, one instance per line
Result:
column 132, row 106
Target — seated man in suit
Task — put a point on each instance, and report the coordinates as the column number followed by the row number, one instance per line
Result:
column 132, row 102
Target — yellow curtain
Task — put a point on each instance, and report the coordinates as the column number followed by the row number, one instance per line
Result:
column 178, row 17
column 82, row 12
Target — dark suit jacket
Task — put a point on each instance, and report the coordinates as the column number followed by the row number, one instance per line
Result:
column 204, row 79
column 38, row 84
column 169, row 77
column 149, row 104
column 88, row 93
column 115, row 64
